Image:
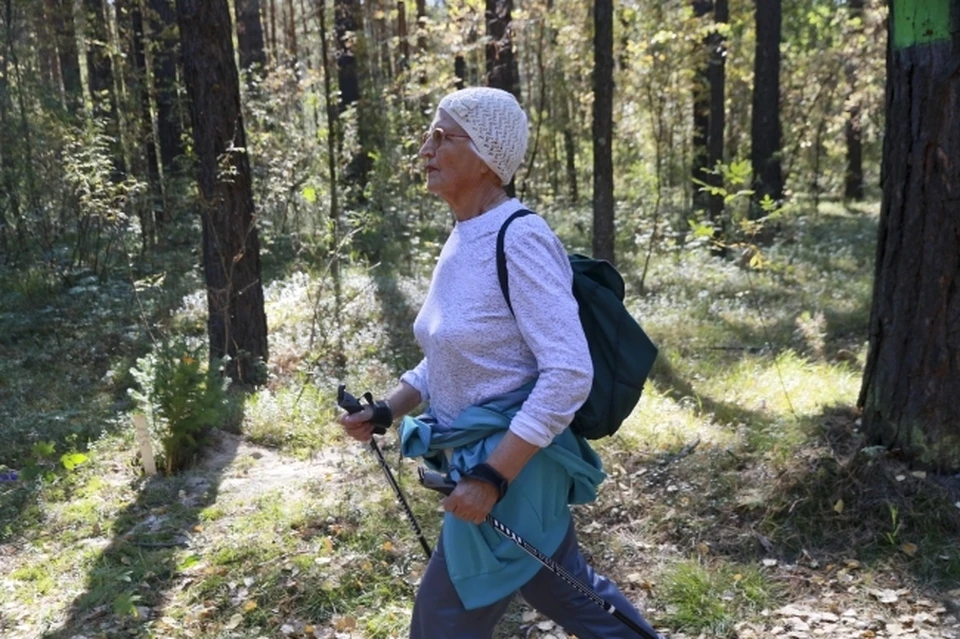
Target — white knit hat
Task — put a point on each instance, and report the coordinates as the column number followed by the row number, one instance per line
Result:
column 495, row 123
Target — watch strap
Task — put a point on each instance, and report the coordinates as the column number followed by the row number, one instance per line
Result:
column 487, row 473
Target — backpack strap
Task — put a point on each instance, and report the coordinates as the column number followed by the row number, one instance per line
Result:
column 502, row 256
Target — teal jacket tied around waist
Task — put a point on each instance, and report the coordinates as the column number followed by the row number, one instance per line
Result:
column 484, row 566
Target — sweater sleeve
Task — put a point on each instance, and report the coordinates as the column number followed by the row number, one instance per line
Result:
column 418, row 378
column 540, row 284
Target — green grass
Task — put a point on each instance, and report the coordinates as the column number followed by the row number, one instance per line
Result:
column 713, row 598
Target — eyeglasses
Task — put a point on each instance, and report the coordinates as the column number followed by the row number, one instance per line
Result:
column 438, row 135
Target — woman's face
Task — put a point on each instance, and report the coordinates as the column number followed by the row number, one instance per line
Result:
column 453, row 167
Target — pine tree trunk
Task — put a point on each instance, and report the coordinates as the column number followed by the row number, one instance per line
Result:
column 911, row 384
column 237, row 324
column 98, row 58
column 140, row 88
column 8, row 191
column 166, row 48
column 603, row 213
column 765, row 130
column 402, row 35
column 853, row 179
column 716, row 78
column 502, row 70
column 250, row 34
column 292, row 47
column 61, row 15
column 345, row 22
column 333, row 137
column 701, row 117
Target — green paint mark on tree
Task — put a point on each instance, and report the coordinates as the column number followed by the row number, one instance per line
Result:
column 920, row 22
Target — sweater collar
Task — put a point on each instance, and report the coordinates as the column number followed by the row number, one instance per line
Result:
column 489, row 221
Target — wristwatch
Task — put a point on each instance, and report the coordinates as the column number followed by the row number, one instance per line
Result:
column 486, row 472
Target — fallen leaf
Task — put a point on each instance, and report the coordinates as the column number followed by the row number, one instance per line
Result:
column 235, row 621
column 250, row 606
column 343, row 624
column 909, row 549
column 838, row 507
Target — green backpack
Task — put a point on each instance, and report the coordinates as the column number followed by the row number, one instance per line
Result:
column 622, row 353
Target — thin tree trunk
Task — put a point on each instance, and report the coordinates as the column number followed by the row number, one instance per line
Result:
column 250, row 34
column 912, row 378
column 237, row 324
column 501, row 63
column 765, row 130
column 853, row 177
column 502, row 70
column 9, row 199
column 701, row 117
column 346, row 27
column 119, row 86
column 603, row 203
column 163, row 19
column 716, row 77
column 402, row 35
column 61, row 13
column 25, row 130
column 333, row 136
column 272, row 12
column 292, row 35
column 145, row 128
column 98, row 58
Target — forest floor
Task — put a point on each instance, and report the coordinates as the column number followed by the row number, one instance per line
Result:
column 742, row 500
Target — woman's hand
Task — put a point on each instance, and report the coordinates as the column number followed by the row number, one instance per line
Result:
column 471, row 500
column 358, row 425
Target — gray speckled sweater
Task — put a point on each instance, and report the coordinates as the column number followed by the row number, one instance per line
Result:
column 475, row 349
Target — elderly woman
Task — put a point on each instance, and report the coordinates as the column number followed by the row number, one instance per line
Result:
column 502, row 385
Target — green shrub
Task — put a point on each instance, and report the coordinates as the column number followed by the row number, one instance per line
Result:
column 182, row 397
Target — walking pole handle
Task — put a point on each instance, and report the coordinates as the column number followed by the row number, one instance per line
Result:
column 352, row 405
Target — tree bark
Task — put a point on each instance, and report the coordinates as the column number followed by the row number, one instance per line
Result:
column 603, row 203
column 140, row 88
column 98, row 58
column 9, row 201
column 502, row 70
column 237, row 324
column 61, row 15
column 765, row 130
column 346, row 24
column 164, row 34
column 853, row 179
column 250, row 34
column 292, row 35
column 701, row 117
column 912, row 377
column 716, row 78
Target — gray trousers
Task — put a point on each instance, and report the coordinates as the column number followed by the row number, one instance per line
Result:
column 439, row 614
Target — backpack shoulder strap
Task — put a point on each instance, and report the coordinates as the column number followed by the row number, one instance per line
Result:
column 502, row 256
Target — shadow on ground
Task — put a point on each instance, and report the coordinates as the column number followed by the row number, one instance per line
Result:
column 131, row 577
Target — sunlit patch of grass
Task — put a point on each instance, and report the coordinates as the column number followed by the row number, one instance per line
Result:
column 293, row 418
column 786, row 385
column 660, row 423
column 713, row 598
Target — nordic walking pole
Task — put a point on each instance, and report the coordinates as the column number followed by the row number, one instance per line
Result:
column 436, row 481
column 349, row 403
